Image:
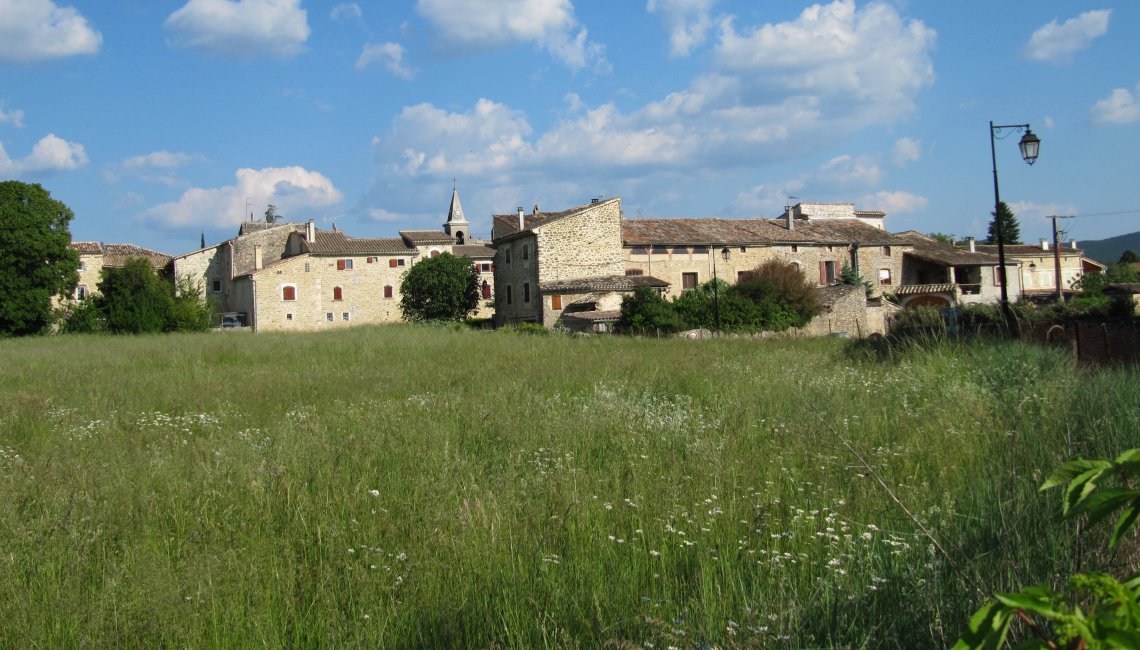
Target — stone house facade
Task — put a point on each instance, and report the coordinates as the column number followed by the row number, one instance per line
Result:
column 936, row 274
column 96, row 256
column 1035, row 267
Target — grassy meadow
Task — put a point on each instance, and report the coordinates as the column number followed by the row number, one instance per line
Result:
column 407, row 487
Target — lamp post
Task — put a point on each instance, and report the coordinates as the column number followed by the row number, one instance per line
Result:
column 1030, row 146
column 724, row 253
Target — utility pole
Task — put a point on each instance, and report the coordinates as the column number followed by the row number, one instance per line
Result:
column 1057, row 259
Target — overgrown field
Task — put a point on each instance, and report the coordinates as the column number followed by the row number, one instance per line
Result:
column 426, row 487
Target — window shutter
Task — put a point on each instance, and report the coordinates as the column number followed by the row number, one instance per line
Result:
column 340, row 265
column 823, row 272
column 556, row 301
column 392, row 263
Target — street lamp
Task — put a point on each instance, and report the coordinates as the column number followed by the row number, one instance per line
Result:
column 716, row 290
column 1030, row 146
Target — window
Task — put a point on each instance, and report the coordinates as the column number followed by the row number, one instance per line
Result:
column 81, row 292
column 400, row 262
column 288, row 292
column 741, row 276
column 485, row 267
column 288, row 316
column 344, row 265
column 997, row 276
column 526, row 251
column 216, row 286
column 508, row 295
column 886, row 251
column 688, row 281
column 307, row 268
column 344, row 316
column 387, row 291
column 827, row 272
column 526, row 291
column 556, row 301
column 486, row 290
column 795, row 249
column 508, row 256
column 82, row 265
column 743, row 249
column 885, row 277
column 338, row 294
column 328, row 317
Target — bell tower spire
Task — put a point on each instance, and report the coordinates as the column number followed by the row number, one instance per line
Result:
column 456, row 225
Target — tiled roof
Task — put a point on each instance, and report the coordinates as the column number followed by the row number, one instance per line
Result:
column 426, row 237
column 833, row 293
column 931, row 250
column 86, row 247
column 336, row 243
column 919, row 289
column 118, row 254
column 1027, row 250
column 603, row 283
column 597, row 316
column 247, row 227
column 474, row 251
column 741, row 232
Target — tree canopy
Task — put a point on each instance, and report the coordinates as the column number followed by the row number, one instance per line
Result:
column 440, row 288
column 1010, row 228
column 36, row 262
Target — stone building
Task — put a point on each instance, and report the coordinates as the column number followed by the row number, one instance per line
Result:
column 551, row 263
column 936, row 274
column 291, row 276
column 96, row 256
column 1036, row 268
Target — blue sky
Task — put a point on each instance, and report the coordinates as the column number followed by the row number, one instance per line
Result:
column 156, row 120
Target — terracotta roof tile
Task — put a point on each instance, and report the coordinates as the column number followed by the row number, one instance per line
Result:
column 603, row 283
column 86, row 247
column 474, row 251
column 426, row 237
column 1028, row 250
column 596, row 316
column 919, row 289
column 118, row 255
column 741, row 232
column 336, row 243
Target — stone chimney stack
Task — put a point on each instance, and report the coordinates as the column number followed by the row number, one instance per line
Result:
column 257, row 265
column 1074, row 244
column 310, row 231
column 791, row 219
column 970, row 244
column 522, row 219
column 1044, row 244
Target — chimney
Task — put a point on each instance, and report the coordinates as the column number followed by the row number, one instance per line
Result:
column 522, row 219
column 257, row 258
column 1074, row 244
column 310, row 231
column 970, row 244
column 953, row 240
column 1044, row 244
column 791, row 219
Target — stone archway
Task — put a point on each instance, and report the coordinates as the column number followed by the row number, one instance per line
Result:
column 931, row 300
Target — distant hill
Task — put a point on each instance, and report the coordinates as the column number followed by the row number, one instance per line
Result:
column 1108, row 251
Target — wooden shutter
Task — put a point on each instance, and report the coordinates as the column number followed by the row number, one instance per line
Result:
column 337, row 294
column 823, row 272
column 388, row 291
column 556, row 301
column 392, row 263
column 340, row 265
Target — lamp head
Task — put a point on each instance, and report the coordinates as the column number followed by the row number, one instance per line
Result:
column 1030, row 146
column 724, row 253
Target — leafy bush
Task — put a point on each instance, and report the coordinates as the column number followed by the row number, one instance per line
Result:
column 134, row 300
column 532, row 329
column 82, row 317
column 783, row 284
column 445, row 287
column 190, row 311
column 647, row 312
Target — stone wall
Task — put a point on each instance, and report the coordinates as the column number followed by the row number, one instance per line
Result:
column 272, row 242
column 512, row 280
column 315, row 279
column 586, row 244
column 90, row 275
column 846, row 315
column 672, row 262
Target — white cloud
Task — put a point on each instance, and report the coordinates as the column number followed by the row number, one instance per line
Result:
column 688, row 22
column 240, row 29
column 1120, row 107
column 35, row 30
column 906, row 150
column 1058, row 43
column 51, row 154
column 15, row 117
column 1030, row 215
column 868, row 56
column 297, row 193
column 390, row 55
column 155, row 167
column 346, row 11
column 894, row 203
column 850, row 170
column 550, row 24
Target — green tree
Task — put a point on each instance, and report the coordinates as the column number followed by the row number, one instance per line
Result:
column 785, row 285
column 36, row 262
column 1010, row 228
column 941, row 238
column 1128, row 257
column 847, row 275
column 647, row 312
column 271, row 215
column 134, row 300
column 190, row 311
column 443, row 288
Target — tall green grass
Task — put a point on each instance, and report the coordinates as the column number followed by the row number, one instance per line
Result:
column 427, row 487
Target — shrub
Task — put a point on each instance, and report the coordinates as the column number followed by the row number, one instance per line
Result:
column 82, row 317
column 647, row 311
column 785, row 285
column 134, row 300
